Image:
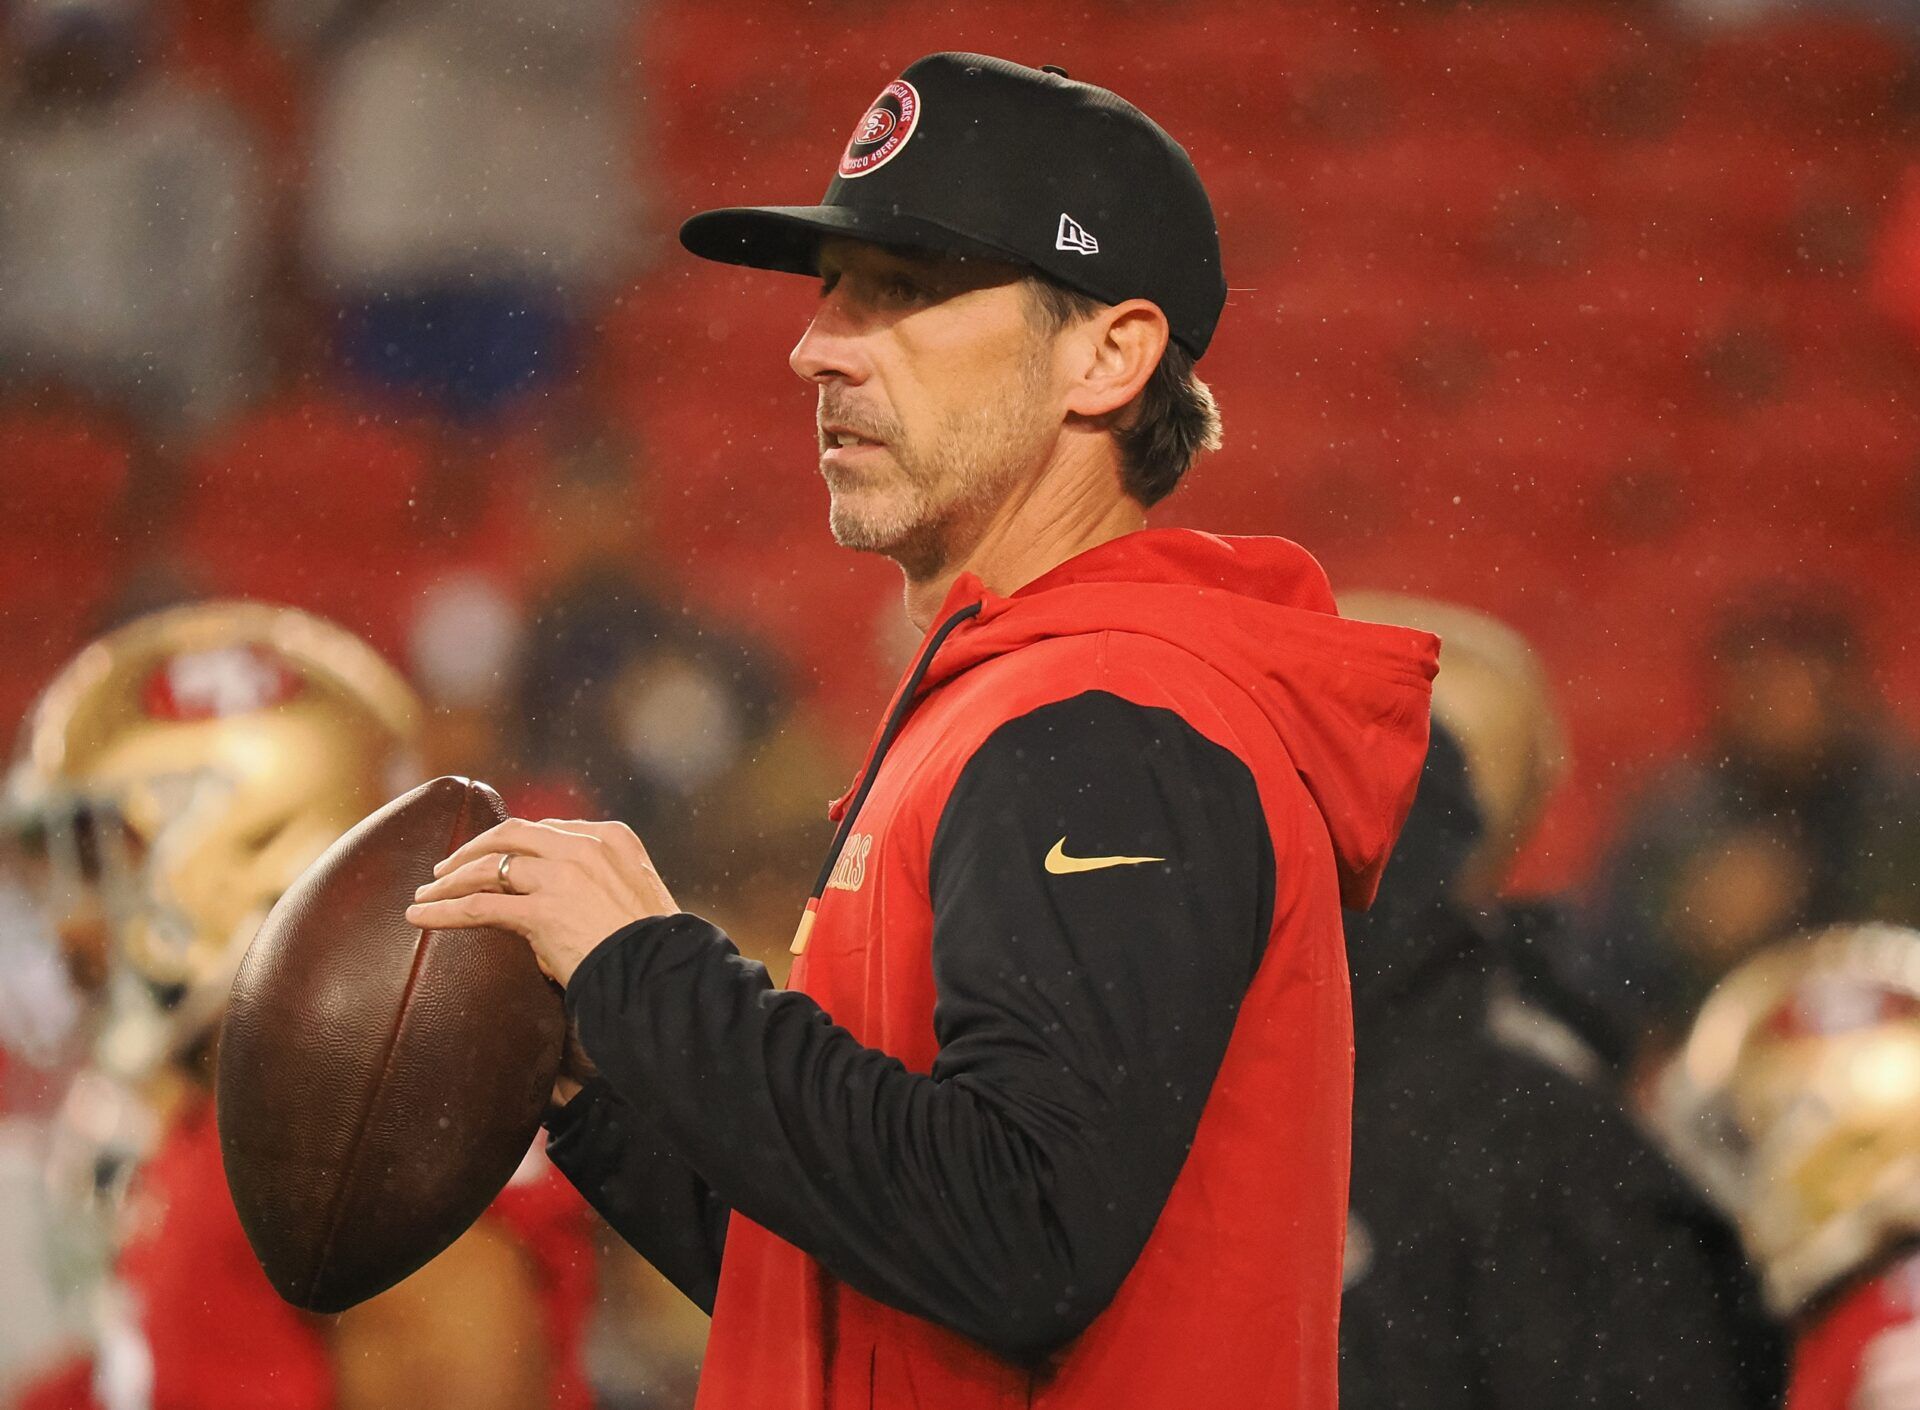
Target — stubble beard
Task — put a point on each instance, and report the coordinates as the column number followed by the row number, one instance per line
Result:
column 940, row 496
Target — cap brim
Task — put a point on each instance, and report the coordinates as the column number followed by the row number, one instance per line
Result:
column 787, row 238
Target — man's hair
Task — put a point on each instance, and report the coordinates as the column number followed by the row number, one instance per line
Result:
column 1174, row 417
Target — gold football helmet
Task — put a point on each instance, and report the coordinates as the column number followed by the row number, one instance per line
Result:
column 185, row 768
column 1492, row 695
column 1796, row 1100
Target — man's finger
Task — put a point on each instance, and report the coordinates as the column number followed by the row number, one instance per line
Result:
column 482, row 874
column 614, row 834
column 489, row 908
column 515, row 835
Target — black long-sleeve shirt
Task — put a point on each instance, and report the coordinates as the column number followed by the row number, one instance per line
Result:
column 1082, row 1014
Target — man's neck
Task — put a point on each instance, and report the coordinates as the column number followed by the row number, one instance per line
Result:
column 1062, row 513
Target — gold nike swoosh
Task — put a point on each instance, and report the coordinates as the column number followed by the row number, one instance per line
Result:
column 1060, row 864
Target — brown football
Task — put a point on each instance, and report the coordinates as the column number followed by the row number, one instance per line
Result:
column 378, row 1084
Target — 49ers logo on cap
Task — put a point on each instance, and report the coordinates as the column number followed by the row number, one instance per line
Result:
column 882, row 130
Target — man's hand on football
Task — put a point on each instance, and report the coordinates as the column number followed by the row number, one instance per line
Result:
column 568, row 887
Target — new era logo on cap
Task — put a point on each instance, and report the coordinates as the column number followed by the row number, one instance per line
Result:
column 1075, row 237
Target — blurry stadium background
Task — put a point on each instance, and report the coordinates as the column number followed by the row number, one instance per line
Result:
column 1599, row 317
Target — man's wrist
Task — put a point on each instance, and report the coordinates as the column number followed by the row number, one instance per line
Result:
column 603, row 1006
column 600, row 951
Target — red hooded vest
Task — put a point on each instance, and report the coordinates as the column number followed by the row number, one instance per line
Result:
column 1234, row 1301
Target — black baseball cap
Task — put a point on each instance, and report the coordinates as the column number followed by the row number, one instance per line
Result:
column 974, row 156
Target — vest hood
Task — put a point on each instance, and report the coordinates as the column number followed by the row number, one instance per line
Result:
column 1349, row 700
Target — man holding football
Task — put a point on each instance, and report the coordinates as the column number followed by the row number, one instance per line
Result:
column 1055, row 1108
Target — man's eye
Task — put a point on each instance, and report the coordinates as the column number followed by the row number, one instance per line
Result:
column 828, row 282
column 902, row 291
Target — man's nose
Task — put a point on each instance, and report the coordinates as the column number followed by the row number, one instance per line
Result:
column 832, row 348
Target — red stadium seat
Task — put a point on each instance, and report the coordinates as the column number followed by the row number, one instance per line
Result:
column 1538, row 70
column 66, row 471
column 1819, row 76
column 314, row 502
column 1828, row 456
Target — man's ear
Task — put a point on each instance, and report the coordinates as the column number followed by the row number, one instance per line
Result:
column 1116, row 352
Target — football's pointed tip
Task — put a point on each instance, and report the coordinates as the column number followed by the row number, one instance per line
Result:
column 466, row 789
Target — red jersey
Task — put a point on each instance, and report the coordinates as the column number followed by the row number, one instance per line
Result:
column 203, row 1329
column 1829, row 1355
column 1234, row 1301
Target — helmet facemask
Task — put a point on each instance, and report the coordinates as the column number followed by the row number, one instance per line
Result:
column 1797, row 1101
column 197, row 762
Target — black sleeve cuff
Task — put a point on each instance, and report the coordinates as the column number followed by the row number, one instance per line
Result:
column 630, row 933
column 609, row 1153
column 649, row 995
column 574, row 1122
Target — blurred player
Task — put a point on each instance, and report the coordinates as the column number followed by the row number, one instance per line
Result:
column 1797, row 1099
column 1799, row 808
column 1499, row 709
column 180, row 773
column 1513, row 1239
column 39, row 1008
